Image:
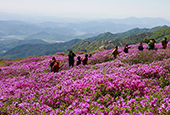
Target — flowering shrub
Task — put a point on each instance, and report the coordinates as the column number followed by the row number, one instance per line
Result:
column 134, row 83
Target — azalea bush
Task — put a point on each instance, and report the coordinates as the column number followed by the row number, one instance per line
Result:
column 146, row 56
column 134, row 83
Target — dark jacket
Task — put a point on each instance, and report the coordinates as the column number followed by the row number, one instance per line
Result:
column 71, row 57
column 78, row 62
column 140, row 47
column 126, row 49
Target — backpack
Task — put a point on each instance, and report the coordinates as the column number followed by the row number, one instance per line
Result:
column 163, row 42
column 140, row 47
column 51, row 63
column 113, row 52
column 84, row 60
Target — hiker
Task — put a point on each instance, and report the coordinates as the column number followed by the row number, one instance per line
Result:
column 164, row 43
column 150, row 45
column 115, row 52
column 56, row 67
column 126, row 48
column 153, row 47
column 140, row 47
column 78, row 60
column 71, row 56
column 52, row 61
column 85, row 59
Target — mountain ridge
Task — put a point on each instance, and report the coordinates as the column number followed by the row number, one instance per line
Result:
column 135, row 38
column 26, row 50
column 77, row 44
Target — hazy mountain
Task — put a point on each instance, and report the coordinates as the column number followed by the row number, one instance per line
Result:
column 50, row 37
column 26, row 50
column 139, row 22
column 113, row 26
column 65, row 31
column 142, row 22
column 32, row 31
column 123, row 35
column 18, row 28
column 9, row 44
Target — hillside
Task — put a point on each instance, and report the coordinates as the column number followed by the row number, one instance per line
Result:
column 134, row 83
column 49, row 37
column 27, row 50
column 13, row 27
column 129, row 33
column 106, row 40
column 159, row 34
column 9, row 44
column 108, row 44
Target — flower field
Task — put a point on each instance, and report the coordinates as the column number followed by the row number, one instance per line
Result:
column 135, row 83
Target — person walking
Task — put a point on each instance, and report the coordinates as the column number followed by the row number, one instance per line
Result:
column 115, row 52
column 126, row 48
column 52, row 61
column 71, row 56
column 164, row 43
column 140, row 47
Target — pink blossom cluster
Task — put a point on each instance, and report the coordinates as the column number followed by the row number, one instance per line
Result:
column 105, row 86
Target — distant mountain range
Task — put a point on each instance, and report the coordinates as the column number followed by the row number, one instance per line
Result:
column 65, row 31
column 107, row 40
column 27, row 50
column 14, row 33
column 129, row 33
column 6, row 45
column 142, row 22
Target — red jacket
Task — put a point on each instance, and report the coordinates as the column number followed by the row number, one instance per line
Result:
column 56, row 67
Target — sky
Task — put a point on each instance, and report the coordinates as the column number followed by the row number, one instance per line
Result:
column 90, row 9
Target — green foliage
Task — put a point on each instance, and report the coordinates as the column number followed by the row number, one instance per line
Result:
column 111, row 43
column 81, row 46
column 6, row 62
column 135, row 39
column 145, row 40
column 163, row 81
column 95, row 45
column 160, row 34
